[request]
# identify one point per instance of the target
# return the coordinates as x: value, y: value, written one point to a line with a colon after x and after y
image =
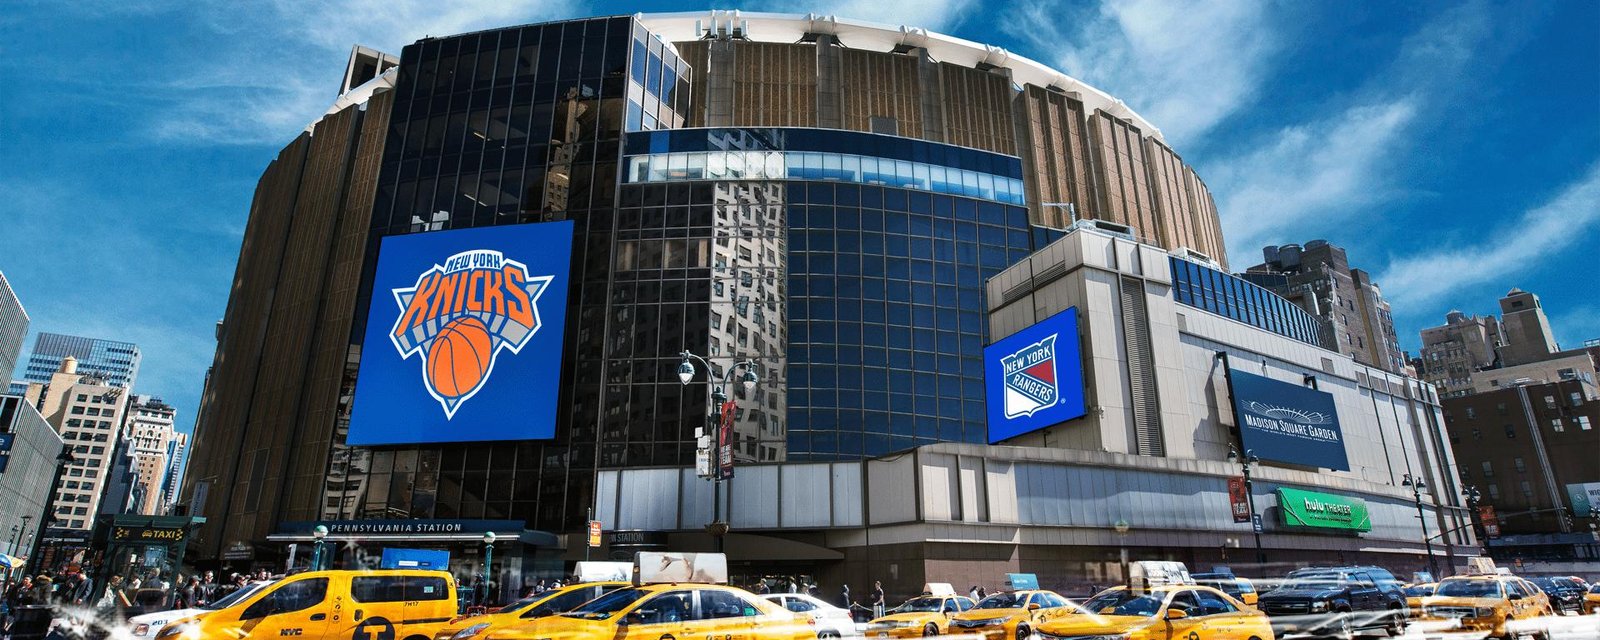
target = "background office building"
x: 26, y: 471
x: 113, y: 361
x: 825, y: 197
x: 150, y: 427
x: 87, y: 411
x: 1477, y: 354
x: 1319, y: 278
x: 13, y: 329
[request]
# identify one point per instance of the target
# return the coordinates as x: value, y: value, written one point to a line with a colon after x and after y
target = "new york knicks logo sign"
x: 1030, y: 378
x: 460, y: 315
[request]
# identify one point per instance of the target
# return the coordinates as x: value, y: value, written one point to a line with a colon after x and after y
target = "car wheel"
x: 1023, y: 632
x: 1341, y: 626
x: 1397, y: 621
x: 930, y: 631
x: 827, y: 635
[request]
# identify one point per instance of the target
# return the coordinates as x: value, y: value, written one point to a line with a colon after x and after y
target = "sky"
x: 1452, y: 148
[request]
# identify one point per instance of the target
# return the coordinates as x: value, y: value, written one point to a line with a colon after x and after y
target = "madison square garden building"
x: 463, y: 292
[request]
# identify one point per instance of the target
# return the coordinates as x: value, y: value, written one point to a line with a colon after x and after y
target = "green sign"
x: 1323, y: 510
x: 1584, y: 499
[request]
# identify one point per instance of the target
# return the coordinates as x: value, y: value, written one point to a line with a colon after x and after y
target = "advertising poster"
x: 1239, y: 499
x: 1584, y: 498
x: 464, y: 335
x: 1034, y: 378
x: 1287, y: 422
x: 725, y: 439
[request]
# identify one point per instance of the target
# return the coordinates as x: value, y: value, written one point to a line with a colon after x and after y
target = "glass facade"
x: 116, y: 362
x: 1203, y: 287
x: 503, y: 127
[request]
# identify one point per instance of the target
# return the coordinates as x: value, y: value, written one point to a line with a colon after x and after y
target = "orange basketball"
x: 459, y: 357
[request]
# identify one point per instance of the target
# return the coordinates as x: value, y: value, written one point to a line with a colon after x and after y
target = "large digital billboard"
x: 1287, y: 422
x: 463, y: 340
x: 1034, y: 378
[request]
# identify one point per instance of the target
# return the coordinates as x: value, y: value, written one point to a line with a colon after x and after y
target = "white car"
x: 832, y: 621
x: 147, y: 626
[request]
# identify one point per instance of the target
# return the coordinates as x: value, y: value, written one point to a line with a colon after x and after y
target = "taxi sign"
x: 651, y: 567
x: 938, y: 589
x: 1146, y: 575
x: 588, y: 571
x: 1481, y: 566
x: 1022, y: 581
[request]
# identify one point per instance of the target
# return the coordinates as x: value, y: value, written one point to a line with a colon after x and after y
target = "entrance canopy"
x: 412, y: 531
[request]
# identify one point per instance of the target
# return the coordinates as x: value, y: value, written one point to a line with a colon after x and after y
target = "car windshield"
x: 1548, y: 583
x: 605, y: 606
x: 229, y: 600
x: 1419, y: 591
x: 518, y: 605
x: 1003, y: 601
x: 1124, y: 603
x: 1469, y: 589
x: 922, y: 605
x: 1595, y: 588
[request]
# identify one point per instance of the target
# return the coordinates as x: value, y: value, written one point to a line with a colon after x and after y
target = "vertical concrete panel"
x: 847, y: 496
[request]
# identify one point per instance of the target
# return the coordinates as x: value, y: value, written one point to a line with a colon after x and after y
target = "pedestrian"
x: 982, y: 593
x: 41, y: 593
x: 208, y: 588
x: 877, y: 599
x: 844, y: 596
x: 81, y: 587
x: 114, y: 602
x: 973, y: 593
x: 762, y: 588
x: 190, y: 595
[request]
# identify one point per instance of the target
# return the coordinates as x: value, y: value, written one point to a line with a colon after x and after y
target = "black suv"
x: 1565, y: 594
x: 1335, y: 602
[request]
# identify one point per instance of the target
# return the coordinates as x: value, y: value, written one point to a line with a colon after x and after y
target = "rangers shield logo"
x: 460, y: 315
x: 1030, y: 378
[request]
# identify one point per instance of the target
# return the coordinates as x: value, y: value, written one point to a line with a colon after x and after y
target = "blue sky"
x: 1452, y: 148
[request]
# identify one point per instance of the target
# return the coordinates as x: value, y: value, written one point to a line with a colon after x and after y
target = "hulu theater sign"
x: 1313, y: 510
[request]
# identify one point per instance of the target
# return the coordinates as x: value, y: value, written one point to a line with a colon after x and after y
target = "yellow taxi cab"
x: 925, y: 615
x: 1486, y: 603
x: 675, y: 595
x: 382, y: 603
x: 1164, y: 612
x: 546, y: 603
x: 1416, y: 592
x: 1591, y: 599
x: 1011, y: 614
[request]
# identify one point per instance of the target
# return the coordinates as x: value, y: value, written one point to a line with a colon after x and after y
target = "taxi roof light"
x: 938, y: 589
x: 1147, y: 575
x: 592, y: 571
x: 1481, y: 566
x: 651, y: 567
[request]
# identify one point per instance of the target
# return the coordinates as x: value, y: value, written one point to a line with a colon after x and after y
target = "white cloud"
x: 1513, y: 249
x: 934, y: 15
x: 272, y: 69
x: 1184, y: 66
x: 1288, y: 186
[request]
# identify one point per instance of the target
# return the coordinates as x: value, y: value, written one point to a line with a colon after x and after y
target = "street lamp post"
x: 719, y: 395
x: 488, y: 565
x: 1417, y: 487
x: 318, y: 534
x: 1473, y: 498
x: 1121, y: 526
x: 1245, y: 461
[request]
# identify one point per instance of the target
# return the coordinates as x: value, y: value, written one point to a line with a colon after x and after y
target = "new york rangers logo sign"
x: 1030, y: 378
x: 460, y: 315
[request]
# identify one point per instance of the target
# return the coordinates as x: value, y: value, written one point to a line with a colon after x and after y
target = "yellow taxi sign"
x: 590, y: 571
x: 1481, y: 566
x: 1146, y: 575
x: 938, y: 589
x: 650, y: 567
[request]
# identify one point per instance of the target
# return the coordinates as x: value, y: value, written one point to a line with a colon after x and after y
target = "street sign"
x: 1255, y: 523
x: 594, y: 533
x: 1239, y: 499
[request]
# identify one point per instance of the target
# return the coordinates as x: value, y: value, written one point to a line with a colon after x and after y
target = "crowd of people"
x: 121, y: 596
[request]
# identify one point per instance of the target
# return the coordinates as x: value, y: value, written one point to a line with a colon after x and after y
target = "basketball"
x: 458, y: 359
